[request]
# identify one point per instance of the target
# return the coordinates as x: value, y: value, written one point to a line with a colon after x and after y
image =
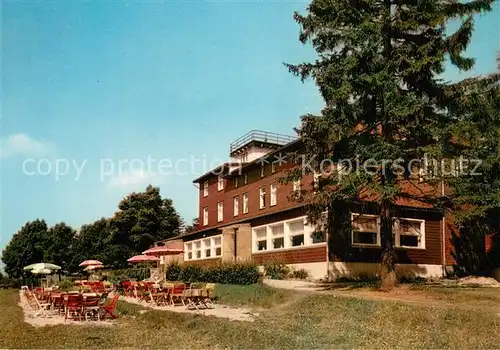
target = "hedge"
x: 224, y: 273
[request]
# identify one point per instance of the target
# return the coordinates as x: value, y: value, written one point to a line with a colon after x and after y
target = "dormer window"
x: 220, y: 183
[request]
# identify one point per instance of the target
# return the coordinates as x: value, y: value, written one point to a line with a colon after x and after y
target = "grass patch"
x: 255, y: 295
x: 313, y: 321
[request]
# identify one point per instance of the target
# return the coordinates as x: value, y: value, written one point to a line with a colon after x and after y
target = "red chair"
x: 73, y: 303
x: 109, y: 309
x: 177, y: 294
x: 127, y: 288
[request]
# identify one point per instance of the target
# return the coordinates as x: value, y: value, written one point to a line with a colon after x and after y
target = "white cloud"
x: 23, y: 145
x: 128, y: 179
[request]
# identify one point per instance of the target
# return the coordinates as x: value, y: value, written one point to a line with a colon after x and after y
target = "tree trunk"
x: 388, y: 263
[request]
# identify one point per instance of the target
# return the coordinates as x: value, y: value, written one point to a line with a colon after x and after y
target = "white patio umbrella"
x: 41, y: 266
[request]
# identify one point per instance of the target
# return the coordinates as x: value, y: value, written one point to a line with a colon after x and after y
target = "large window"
x: 220, y: 183
x: 278, y: 236
x: 261, y: 238
x: 365, y: 230
x: 235, y: 206
x: 273, y: 167
x: 274, y: 195
x: 245, y: 179
x: 236, y: 181
x: 220, y: 211
x: 262, y: 197
x: 296, y: 185
x: 218, y: 246
x: 296, y: 229
x: 245, y: 203
x: 288, y: 234
x: 205, y: 189
x: 189, y: 251
x: 205, y: 216
x: 409, y: 233
x: 197, y: 249
x: 207, y: 245
x: 204, y: 248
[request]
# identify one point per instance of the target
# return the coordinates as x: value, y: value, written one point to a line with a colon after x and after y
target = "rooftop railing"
x: 261, y: 136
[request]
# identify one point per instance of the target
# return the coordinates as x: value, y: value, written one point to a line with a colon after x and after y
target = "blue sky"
x: 99, y: 82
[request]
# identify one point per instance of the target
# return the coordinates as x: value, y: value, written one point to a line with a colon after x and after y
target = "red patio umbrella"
x: 90, y: 262
x: 162, y: 250
x: 142, y: 258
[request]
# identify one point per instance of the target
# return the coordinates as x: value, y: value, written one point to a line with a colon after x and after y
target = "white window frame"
x: 205, y: 189
x: 397, y: 238
x: 205, y: 216
x: 220, y: 211
x: 296, y: 185
x: 236, y: 204
x: 220, y: 182
x: 188, y: 248
x: 308, y: 231
x: 273, y: 237
x: 274, y: 195
x: 196, y: 250
x: 255, y: 241
x: 245, y: 178
x: 215, y: 246
x: 290, y: 236
x: 236, y: 181
x: 245, y: 203
x: 273, y: 167
x: 207, y: 245
x: 262, y: 197
x: 355, y: 215
x: 262, y: 171
x: 204, y: 243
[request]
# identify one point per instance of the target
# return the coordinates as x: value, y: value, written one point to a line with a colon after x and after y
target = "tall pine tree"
x: 378, y: 71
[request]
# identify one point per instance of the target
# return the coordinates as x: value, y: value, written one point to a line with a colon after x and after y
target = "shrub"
x: 173, y: 272
x: 300, y: 274
x: 191, y: 273
x: 225, y: 273
x: 66, y: 285
x: 118, y: 276
x: 276, y: 270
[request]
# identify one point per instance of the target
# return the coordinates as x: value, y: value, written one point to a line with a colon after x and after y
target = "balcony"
x: 261, y: 139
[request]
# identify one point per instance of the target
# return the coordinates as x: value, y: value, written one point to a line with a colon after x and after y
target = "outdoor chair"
x: 42, y: 307
x: 177, y: 294
x: 91, y: 307
x: 57, y: 301
x: 73, y: 305
x: 108, y: 309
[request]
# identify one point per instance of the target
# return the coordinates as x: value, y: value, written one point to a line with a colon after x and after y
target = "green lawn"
x: 295, y: 321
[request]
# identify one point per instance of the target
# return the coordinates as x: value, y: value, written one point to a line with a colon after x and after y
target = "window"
x: 262, y: 197
x: 365, y: 230
x: 220, y: 183
x: 278, y: 234
x: 205, y: 216
x: 273, y: 167
x: 189, y: 251
x: 274, y: 189
x: 318, y: 237
x: 205, y: 189
x: 316, y: 177
x: 296, y: 232
x: 204, y: 248
x: 261, y: 238
x: 218, y: 246
x: 235, y: 206
x: 296, y: 185
x: 207, y: 244
x: 236, y: 181
x: 245, y: 203
x: 262, y: 171
x: 409, y: 233
x: 245, y: 178
x: 220, y: 211
x: 197, y: 248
